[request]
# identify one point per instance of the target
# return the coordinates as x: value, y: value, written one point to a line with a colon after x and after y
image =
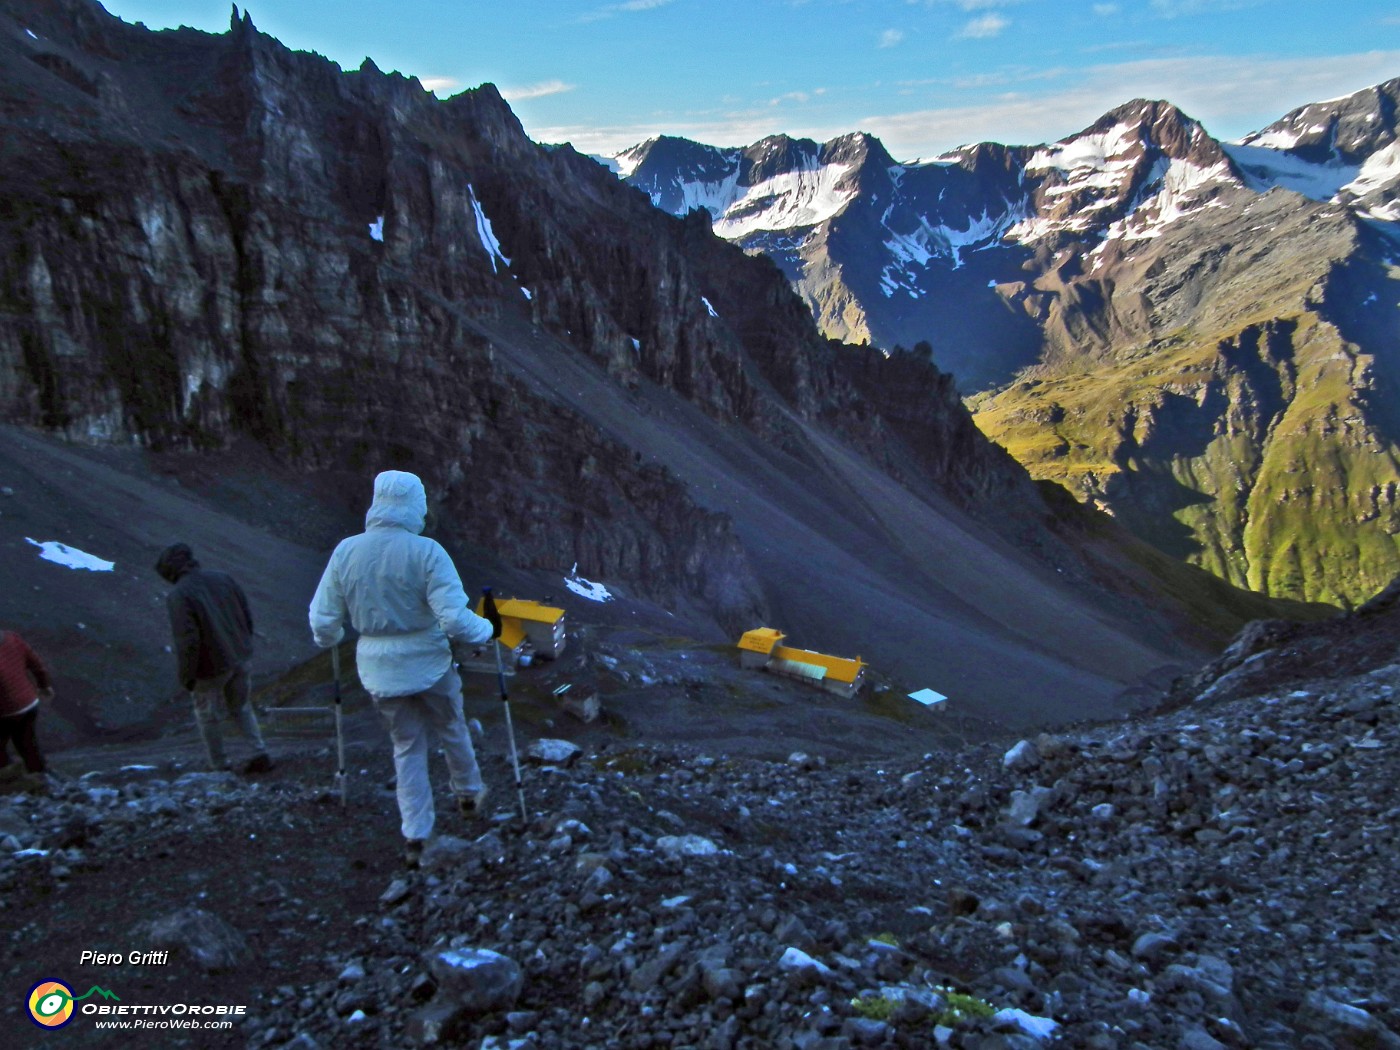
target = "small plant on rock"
x: 961, y: 1007
x: 873, y: 1007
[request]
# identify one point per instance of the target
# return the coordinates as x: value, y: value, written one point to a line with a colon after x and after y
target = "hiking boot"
x: 413, y: 853
x: 473, y: 806
x: 259, y: 764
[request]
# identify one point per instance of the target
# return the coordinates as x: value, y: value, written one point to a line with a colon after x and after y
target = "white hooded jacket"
x: 400, y: 591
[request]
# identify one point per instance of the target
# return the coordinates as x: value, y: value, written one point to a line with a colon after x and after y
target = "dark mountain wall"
x: 206, y: 236
x: 205, y: 268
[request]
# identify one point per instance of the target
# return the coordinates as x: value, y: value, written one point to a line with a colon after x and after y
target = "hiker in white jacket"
x: 401, y: 591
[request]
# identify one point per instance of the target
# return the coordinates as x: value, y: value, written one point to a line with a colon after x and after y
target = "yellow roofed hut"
x: 523, y: 620
x: 835, y: 674
x: 756, y: 647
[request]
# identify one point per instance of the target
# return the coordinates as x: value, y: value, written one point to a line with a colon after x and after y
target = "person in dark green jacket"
x: 212, y: 630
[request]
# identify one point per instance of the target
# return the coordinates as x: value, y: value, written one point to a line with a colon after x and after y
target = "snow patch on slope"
x: 1380, y: 171
x: 1282, y: 139
x: 715, y: 197
x: 1265, y: 168
x: 1388, y: 212
x: 1088, y: 162
x: 625, y: 163
x: 920, y: 246
x: 1182, y: 188
x: 805, y: 197
x: 594, y: 592
x: 1034, y: 227
x: 1173, y: 189
x: 70, y: 557
x: 487, y: 235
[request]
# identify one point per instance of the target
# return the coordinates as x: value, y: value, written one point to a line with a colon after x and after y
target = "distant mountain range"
x: 1198, y: 336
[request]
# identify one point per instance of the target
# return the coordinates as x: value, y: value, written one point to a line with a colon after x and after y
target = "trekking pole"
x: 340, y: 778
x: 489, y: 607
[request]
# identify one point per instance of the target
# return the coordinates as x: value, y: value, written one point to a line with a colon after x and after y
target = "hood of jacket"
x: 175, y: 561
x: 399, y: 501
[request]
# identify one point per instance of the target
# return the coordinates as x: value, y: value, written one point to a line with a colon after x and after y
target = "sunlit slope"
x: 1251, y: 426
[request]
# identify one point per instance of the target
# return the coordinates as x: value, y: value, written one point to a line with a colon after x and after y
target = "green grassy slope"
x: 1295, y: 499
x: 1249, y: 429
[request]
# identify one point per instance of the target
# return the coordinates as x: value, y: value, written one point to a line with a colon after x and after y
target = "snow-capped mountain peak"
x: 1141, y: 167
x: 777, y: 184
x: 875, y: 246
x: 1343, y: 150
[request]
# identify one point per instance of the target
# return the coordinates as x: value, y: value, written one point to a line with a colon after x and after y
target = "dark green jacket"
x: 210, y: 622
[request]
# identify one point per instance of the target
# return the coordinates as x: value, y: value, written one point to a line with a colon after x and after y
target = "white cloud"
x: 736, y: 128
x: 1106, y: 10
x: 891, y: 37
x: 624, y: 8
x: 436, y: 84
x: 971, y: 5
x: 799, y: 97
x: 548, y: 87
x: 984, y: 28
x: 1231, y: 96
x: 1175, y: 8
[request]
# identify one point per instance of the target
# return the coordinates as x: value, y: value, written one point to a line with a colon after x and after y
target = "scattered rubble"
x: 1218, y: 875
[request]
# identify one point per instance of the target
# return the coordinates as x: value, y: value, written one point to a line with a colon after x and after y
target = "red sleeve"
x: 35, y: 665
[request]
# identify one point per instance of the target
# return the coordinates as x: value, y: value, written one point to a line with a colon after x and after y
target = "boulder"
x: 477, y: 979
x: 552, y: 752
x: 686, y: 846
x: 1021, y: 758
x: 798, y: 962
x: 212, y: 943
x: 1345, y: 1026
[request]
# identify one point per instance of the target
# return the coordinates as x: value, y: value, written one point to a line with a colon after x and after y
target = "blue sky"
x: 923, y: 75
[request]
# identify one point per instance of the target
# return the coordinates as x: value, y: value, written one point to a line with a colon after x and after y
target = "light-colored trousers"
x: 235, y: 689
x: 413, y: 721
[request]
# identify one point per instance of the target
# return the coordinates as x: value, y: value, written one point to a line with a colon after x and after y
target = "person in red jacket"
x: 24, y: 681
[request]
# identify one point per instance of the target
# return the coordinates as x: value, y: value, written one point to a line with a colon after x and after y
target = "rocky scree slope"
x: 1110, y: 289
x: 208, y: 237
x: 1216, y: 876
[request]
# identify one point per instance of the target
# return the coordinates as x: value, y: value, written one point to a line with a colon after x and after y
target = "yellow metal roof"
x: 524, y: 609
x: 512, y: 634
x: 761, y: 639
x: 837, y: 668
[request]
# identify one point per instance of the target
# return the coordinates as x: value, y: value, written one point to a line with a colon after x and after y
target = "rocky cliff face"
x: 205, y: 236
x: 1104, y: 297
